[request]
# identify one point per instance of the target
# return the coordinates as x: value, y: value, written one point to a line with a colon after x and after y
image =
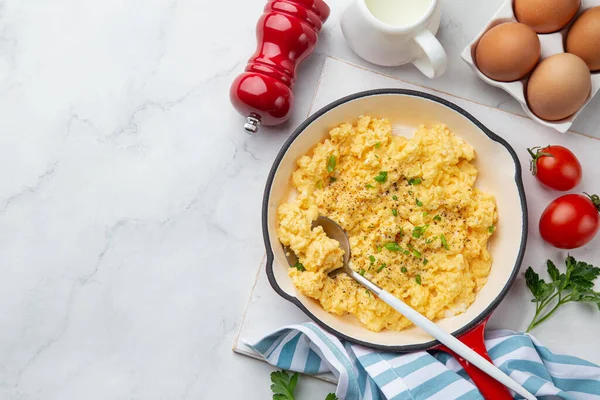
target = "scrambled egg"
x: 417, y: 226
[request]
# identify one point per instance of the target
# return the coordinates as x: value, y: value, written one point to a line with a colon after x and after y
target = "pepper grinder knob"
x: 252, y: 124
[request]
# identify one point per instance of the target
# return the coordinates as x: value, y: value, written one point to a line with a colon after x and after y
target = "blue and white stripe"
x: 363, y: 373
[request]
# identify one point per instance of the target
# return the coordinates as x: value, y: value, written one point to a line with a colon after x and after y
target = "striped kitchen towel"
x: 367, y: 374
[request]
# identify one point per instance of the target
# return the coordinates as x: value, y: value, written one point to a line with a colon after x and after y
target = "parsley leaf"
x: 283, y: 385
x: 576, y: 284
x: 414, y: 181
x: 299, y: 266
x: 392, y: 246
x: 382, y: 177
x: 331, y: 164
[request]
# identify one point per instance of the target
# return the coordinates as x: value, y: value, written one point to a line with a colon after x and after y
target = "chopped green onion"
x: 331, y: 164
x: 415, y: 252
x: 368, y: 292
x: 419, y: 203
x: 425, y: 213
x: 369, y: 186
x: 332, y: 179
x: 414, y: 181
x: 362, y: 272
x: 320, y: 185
x: 418, y: 279
x: 404, y: 270
x: 394, y: 212
x: 444, y: 242
x: 299, y: 266
x: 395, y: 198
x: 418, y: 231
x: 379, y: 249
x: 382, y: 177
x: 381, y: 268
x: 392, y: 246
x: 492, y: 228
x: 437, y: 218
x: 410, y: 192
x: 406, y: 252
x: 377, y: 145
x: 425, y: 261
x: 372, y: 258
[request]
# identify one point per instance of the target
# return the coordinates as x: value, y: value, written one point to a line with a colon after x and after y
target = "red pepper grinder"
x: 286, y: 34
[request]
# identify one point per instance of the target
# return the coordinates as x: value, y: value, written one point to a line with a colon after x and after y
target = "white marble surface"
x: 130, y: 197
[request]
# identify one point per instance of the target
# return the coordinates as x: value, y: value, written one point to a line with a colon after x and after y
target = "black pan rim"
x: 405, y: 92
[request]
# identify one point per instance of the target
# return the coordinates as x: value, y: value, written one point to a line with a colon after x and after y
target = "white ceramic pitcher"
x: 391, y: 45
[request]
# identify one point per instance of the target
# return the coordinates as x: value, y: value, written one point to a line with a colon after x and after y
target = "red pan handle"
x: 490, y: 388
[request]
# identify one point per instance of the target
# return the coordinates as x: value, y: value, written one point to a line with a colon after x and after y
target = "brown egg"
x: 559, y: 86
x: 546, y: 16
x: 583, y: 39
x: 508, y: 52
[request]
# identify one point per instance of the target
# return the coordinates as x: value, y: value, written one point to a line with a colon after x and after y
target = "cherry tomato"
x: 556, y: 167
x: 570, y: 221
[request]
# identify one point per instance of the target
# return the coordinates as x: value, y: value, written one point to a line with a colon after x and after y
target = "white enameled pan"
x: 499, y: 174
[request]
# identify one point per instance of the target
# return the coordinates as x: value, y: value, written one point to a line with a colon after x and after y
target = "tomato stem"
x: 595, y: 199
x: 535, y: 153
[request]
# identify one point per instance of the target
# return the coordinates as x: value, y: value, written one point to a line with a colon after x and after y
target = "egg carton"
x: 551, y: 43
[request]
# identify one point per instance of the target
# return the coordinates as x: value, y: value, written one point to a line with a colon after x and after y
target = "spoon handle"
x: 451, y: 342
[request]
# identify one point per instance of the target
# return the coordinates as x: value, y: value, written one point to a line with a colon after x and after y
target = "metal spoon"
x: 334, y: 231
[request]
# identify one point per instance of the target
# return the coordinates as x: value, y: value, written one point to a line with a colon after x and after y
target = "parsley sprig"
x: 283, y: 386
x: 576, y: 284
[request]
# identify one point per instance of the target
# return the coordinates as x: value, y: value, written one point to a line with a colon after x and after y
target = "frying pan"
x: 499, y: 174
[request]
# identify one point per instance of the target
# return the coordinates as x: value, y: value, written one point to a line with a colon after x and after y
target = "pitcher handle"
x: 433, y: 62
